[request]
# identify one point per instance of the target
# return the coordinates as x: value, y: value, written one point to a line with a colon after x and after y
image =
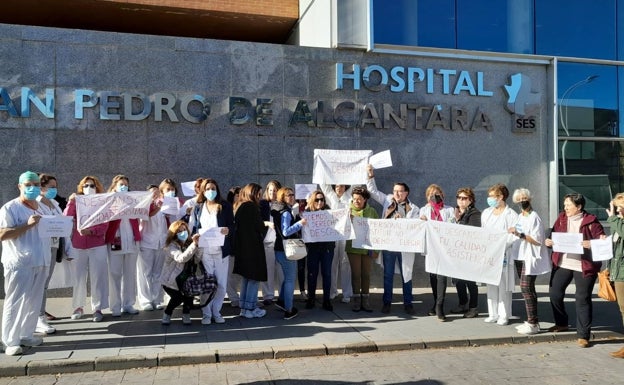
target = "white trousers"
x: 95, y: 262
x: 341, y: 269
x: 268, y: 287
x: 233, y: 282
x: 217, y: 265
x: 499, y: 298
x: 23, y: 289
x: 149, y: 267
x: 47, y: 281
x: 122, y: 272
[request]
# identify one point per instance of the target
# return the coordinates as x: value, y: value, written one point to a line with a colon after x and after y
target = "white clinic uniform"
x: 151, y: 260
x: 499, y: 297
x: 122, y: 270
x: 26, y: 261
x: 340, y: 264
x: 54, y: 244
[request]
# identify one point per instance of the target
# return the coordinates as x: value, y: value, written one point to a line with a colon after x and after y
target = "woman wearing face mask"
x: 151, y: 256
x: 89, y: 256
x: 123, y: 237
x: 578, y: 267
x: 499, y: 216
x: 436, y: 210
x: 179, y: 249
x: 529, y: 249
x: 214, y: 212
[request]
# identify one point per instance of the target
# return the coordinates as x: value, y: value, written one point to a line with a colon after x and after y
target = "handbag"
x: 295, y: 249
x: 605, y: 287
x: 195, y: 281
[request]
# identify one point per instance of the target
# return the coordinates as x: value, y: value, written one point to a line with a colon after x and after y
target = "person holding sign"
x: 90, y: 256
x: 616, y: 265
x: 25, y: 259
x: 436, y: 210
x: 568, y: 266
x: 212, y: 212
x: 395, y: 206
x: 499, y: 216
x: 534, y: 257
x: 123, y: 237
x: 361, y: 260
x: 319, y: 253
x: 286, y: 226
x: 467, y: 214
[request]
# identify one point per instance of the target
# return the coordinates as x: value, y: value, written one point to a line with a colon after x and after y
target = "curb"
x: 133, y: 361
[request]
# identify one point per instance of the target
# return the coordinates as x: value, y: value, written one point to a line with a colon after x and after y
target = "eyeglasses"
x: 319, y: 200
x: 88, y: 185
x: 461, y: 198
x: 290, y: 195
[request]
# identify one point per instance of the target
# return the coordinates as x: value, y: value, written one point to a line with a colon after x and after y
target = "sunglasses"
x: 462, y: 198
x: 88, y: 185
x: 319, y: 200
x: 290, y: 195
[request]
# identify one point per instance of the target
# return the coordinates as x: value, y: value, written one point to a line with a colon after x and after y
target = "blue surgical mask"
x: 492, y: 202
x: 210, y: 194
x: 182, y: 236
x: 170, y: 194
x: 51, y: 193
x: 122, y: 188
x: 32, y: 192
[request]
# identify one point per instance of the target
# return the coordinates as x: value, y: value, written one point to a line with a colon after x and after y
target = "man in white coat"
x: 395, y: 205
x: 26, y: 260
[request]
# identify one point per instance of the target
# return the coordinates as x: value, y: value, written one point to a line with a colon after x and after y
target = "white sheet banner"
x: 327, y: 225
x: 465, y: 252
x: 94, y: 209
x: 406, y: 235
x: 340, y: 166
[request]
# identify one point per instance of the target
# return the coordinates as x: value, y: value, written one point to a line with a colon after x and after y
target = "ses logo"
x: 522, y: 103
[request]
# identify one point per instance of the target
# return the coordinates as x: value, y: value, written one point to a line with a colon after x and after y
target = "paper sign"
x: 340, y: 166
x: 602, y: 249
x: 188, y: 188
x: 94, y: 209
x: 303, y: 191
x: 211, y: 237
x: 327, y: 225
x: 55, y: 226
x: 567, y: 242
x: 171, y: 206
x: 406, y: 235
x: 381, y: 160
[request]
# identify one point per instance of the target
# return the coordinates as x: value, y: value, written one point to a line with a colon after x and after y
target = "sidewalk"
x: 133, y: 341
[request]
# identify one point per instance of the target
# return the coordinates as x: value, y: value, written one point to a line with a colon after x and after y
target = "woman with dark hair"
x: 180, y: 248
x: 212, y: 211
x: 361, y: 260
x: 578, y: 267
x: 233, y: 280
x: 249, y: 258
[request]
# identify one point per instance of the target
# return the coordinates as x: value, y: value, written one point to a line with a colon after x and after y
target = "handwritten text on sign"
x: 407, y: 235
x: 340, y: 166
x: 327, y: 225
x: 94, y: 209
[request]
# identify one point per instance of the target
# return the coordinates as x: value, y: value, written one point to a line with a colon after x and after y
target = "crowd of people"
x: 133, y: 263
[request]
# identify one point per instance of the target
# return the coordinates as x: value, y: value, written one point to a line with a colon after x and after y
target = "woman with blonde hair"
x: 89, y: 256
x: 616, y: 265
x: 269, y: 196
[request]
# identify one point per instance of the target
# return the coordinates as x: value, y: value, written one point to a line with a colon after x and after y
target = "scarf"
x: 435, y: 210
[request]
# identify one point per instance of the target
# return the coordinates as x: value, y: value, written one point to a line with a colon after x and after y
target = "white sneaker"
x: 529, y: 329
x: 166, y: 319
x: 31, y: 341
x: 247, y: 313
x: 258, y: 313
x: 158, y: 306
x: 131, y: 310
x: 148, y: 307
x: 43, y: 326
x: 186, y: 319
x: 490, y: 319
x: 13, y: 350
x: 521, y: 325
x: 206, y: 320
x: 77, y: 314
x: 116, y: 313
x: 97, y: 316
x: 346, y: 299
x: 218, y: 319
x: 502, y: 321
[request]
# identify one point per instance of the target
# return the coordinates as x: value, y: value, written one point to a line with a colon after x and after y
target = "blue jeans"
x: 289, y: 268
x: 248, y: 294
x: 390, y: 259
x: 324, y: 257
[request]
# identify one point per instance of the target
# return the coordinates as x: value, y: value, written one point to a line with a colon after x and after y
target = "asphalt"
x: 135, y: 341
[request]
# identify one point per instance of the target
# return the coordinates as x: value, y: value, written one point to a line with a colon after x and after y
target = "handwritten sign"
x: 406, y: 235
x: 211, y: 237
x: 55, y: 226
x: 188, y: 188
x: 602, y: 249
x: 381, y: 160
x: 340, y: 166
x: 568, y: 242
x: 327, y: 225
x: 465, y: 252
x: 171, y: 206
x: 94, y: 209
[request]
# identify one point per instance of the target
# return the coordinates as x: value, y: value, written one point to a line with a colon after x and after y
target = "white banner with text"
x: 94, y: 209
x: 327, y: 225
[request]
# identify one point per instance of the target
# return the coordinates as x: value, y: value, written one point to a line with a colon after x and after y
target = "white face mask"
x: 88, y: 190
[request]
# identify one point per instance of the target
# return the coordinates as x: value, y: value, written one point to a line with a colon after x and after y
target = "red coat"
x: 113, y: 226
x: 591, y: 229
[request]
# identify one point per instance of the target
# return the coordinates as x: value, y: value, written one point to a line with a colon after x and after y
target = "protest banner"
x: 94, y: 209
x: 465, y: 252
x: 340, y: 166
x: 327, y: 225
x: 401, y: 234
x: 55, y: 226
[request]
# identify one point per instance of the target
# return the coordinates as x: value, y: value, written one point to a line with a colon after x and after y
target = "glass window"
x: 425, y: 23
x: 576, y: 28
x: 620, y: 29
x: 498, y: 26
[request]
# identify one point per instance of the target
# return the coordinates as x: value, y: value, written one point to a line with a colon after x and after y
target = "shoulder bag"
x: 295, y: 249
x: 605, y: 288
